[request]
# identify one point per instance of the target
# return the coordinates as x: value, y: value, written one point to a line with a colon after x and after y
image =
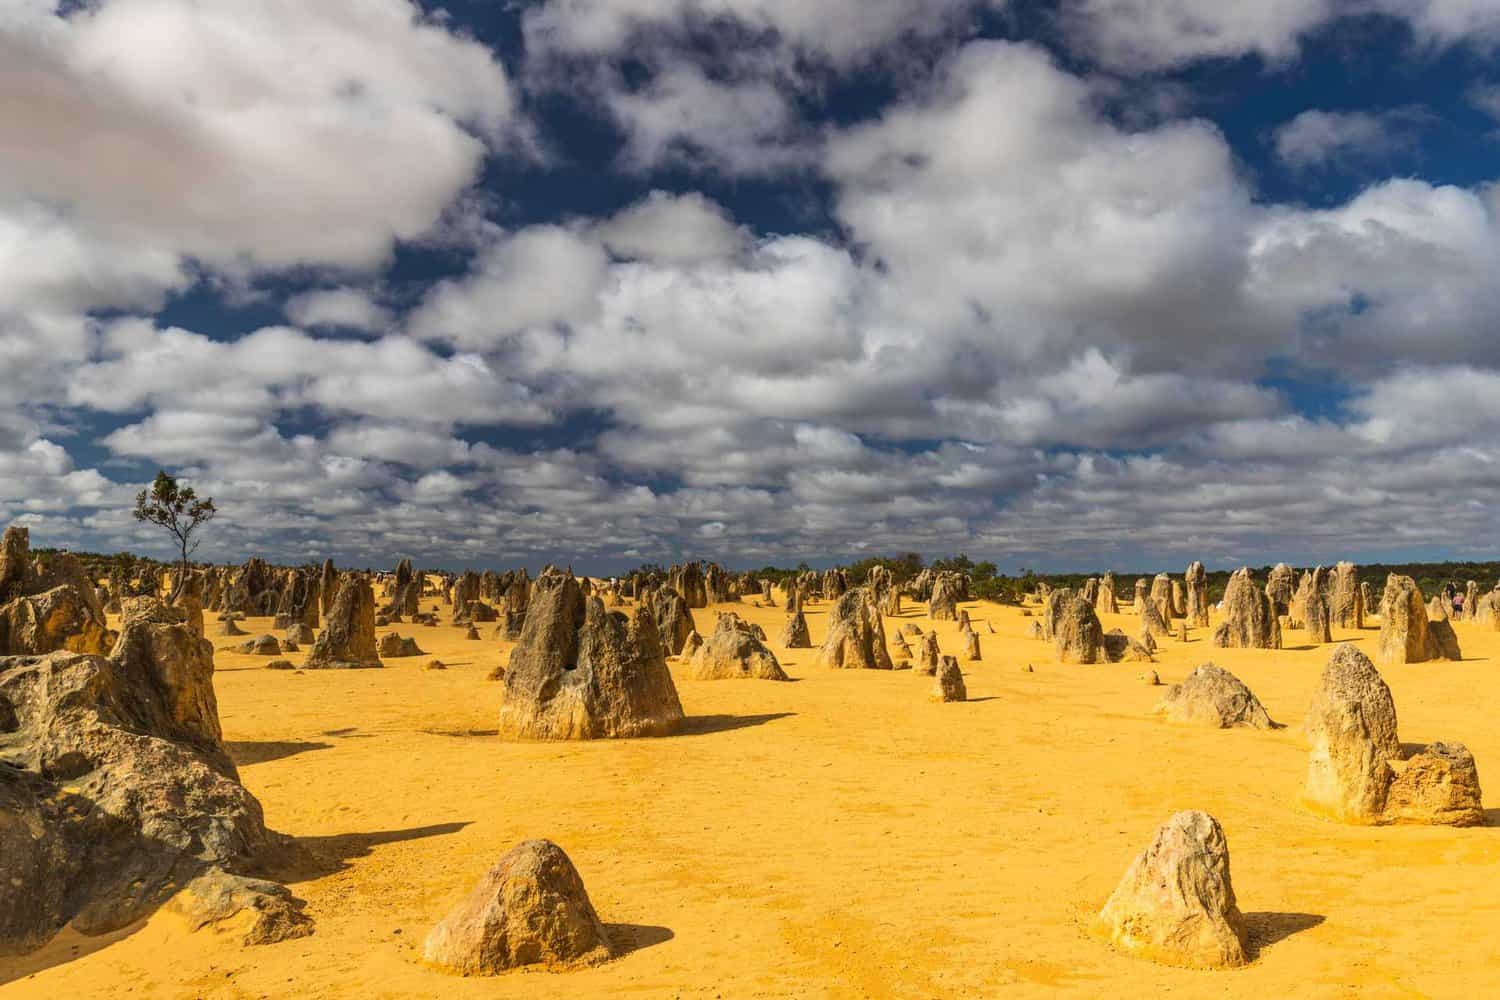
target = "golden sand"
x: 839, y: 836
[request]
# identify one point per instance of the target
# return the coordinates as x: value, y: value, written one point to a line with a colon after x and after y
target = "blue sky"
x: 1099, y: 283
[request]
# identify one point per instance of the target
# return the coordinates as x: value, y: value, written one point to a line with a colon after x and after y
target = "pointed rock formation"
x: 1105, y: 602
x: 1316, y: 612
x: 943, y: 607
x: 1176, y: 903
x: 794, y: 635
x: 1345, y: 601
x: 1405, y: 636
x: 674, y: 621
x: 347, y: 641
x: 1281, y: 588
x: 529, y: 909
x: 949, y: 682
x: 1079, y: 636
x: 580, y: 671
x: 1249, y: 622
x: 856, y: 635
x: 1196, y: 595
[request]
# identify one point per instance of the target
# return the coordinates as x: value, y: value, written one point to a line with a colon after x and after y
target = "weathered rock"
x: 328, y: 586
x: 971, y: 646
x: 1249, y: 622
x: 1438, y: 786
x: 1161, y: 596
x: 249, y: 910
x: 674, y: 619
x: 406, y: 592
x: 1195, y: 587
x: 944, y: 603
x: 1443, y: 641
x: 300, y: 633
x: 1345, y: 601
x: 733, y: 651
x: 1347, y: 777
x: 1350, y: 678
x: 261, y: 645
x: 581, y: 671
x: 1213, y: 697
x: 1405, y: 636
x: 794, y: 634
x: 856, y: 635
x: 393, y: 646
x: 691, y: 647
x: 1153, y: 623
x: 929, y: 657
x: 1176, y: 903
x: 1079, y: 636
x: 1281, y: 588
x: 529, y: 909
x: 16, y: 576
x: 281, y: 665
x: 348, y: 637
x: 1119, y: 647
x: 227, y: 626
x: 1316, y: 611
x: 949, y: 682
x: 471, y: 633
x: 117, y: 789
x: 1105, y: 602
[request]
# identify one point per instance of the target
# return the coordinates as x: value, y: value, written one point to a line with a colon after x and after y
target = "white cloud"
x: 673, y: 229
x: 843, y: 32
x: 347, y: 308
x: 1160, y: 34
x: 1317, y: 138
x: 536, y: 277
x: 271, y: 134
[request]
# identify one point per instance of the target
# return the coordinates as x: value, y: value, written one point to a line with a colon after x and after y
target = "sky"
x: 1069, y: 286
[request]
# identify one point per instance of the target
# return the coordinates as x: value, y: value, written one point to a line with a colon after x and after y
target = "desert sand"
x: 838, y: 836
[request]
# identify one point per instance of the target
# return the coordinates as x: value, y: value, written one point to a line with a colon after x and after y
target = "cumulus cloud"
x: 338, y: 308
x: 1031, y: 326
x: 1317, y: 138
x: 1154, y: 35
x: 234, y: 133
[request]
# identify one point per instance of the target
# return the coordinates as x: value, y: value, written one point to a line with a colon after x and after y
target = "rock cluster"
x: 581, y: 671
x: 1354, y: 771
x: 117, y: 790
x: 734, y: 651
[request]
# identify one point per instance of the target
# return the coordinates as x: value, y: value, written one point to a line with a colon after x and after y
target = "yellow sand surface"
x: 838, y: 836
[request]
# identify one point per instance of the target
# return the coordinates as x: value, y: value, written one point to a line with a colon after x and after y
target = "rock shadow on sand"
x: 247, y: 752
x: 1268, y: 928
x: 630, y: 938
x: 700, y: 725
x: 303, y: 859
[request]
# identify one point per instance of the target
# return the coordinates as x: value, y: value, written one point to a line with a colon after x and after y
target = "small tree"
x: 178, y: 509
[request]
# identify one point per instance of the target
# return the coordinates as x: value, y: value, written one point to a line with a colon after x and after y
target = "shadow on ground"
x: 247, y: 752
x: 67, y: 946
x: 302, y: 859
x: 630, y: 938
x: 1267, y: 928
x: 699, y: 725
